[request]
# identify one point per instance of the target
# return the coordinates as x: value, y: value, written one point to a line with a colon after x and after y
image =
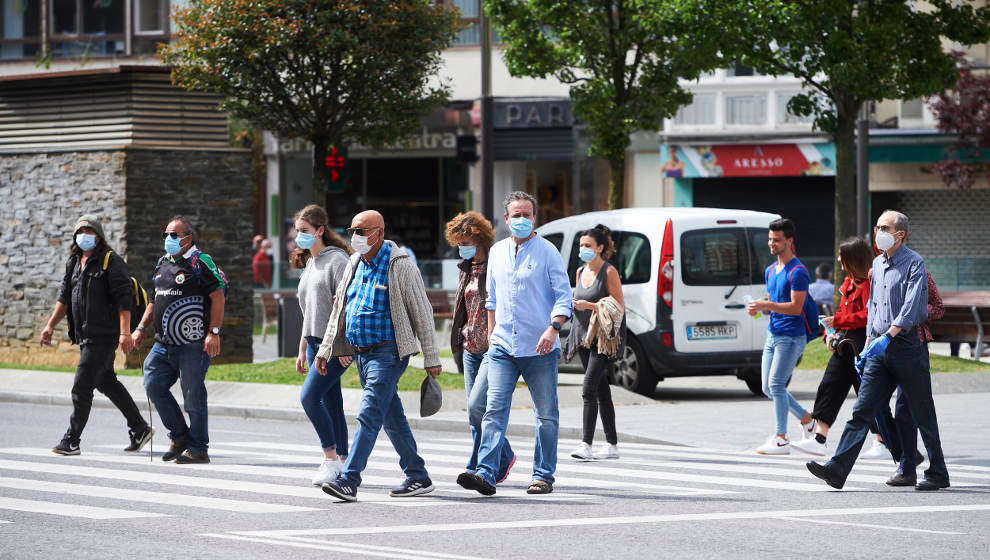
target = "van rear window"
x: 714, y: 257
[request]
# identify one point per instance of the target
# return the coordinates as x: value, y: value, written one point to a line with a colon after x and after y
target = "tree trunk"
x: 845, y: 177
x: 320, y: 146
x: 617, y: 181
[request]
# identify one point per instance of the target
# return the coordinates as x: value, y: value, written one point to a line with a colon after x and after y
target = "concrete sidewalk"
x: 698, y: 411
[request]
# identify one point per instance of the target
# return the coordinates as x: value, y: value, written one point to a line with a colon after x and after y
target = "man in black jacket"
x: 97, y: 296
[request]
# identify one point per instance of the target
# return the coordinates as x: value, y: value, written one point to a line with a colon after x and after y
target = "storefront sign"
x: 533, y: 114
x: 428, y: 143
x: 748, y: 160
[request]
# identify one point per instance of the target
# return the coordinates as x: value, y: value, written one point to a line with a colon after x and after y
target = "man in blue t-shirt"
x: 787, y: 285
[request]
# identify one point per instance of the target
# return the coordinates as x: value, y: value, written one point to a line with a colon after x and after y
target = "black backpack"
x: 140, y: 296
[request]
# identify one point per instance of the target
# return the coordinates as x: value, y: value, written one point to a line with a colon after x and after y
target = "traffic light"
x: 337, y: 168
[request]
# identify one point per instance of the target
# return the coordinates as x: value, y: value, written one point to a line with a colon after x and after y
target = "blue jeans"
x: 902, y: 364
x: 380, y: 369
x: 780, y: 356
x: 322, y: 400
x: 476, y: 388
x: 540, y: 375
x: 187, y: 363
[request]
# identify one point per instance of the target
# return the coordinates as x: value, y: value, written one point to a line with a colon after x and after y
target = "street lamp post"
x: 487, y: 118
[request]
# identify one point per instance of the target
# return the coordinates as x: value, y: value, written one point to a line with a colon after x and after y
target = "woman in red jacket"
x: 849, y: 322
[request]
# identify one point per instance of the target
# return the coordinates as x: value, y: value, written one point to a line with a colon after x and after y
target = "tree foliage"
x: 847, y: 53
x: 964, y: 112
x: 621, y: 58
x: 329, y: 71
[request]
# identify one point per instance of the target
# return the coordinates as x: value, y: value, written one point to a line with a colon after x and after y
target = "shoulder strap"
x: 106, y: 259
x: 791, y: 275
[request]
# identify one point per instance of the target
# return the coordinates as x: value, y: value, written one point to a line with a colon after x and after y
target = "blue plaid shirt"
x: 369, y: 320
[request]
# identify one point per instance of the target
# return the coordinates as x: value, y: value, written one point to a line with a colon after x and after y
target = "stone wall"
x: 134, y: 192
x: 41, y: 197
x: 213, y: 190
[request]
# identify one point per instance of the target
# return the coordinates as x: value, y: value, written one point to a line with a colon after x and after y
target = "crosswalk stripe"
x: 339, y: 547
x: 165, y: 498
x: 386, y: 459
x: 71, y: 510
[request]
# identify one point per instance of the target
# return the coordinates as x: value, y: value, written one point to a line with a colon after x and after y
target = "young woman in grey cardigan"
x: 321, y: 396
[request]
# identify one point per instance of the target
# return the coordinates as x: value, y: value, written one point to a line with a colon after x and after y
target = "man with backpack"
x: 190, y: 292
x: 793, y: 321
x: 97, y: 296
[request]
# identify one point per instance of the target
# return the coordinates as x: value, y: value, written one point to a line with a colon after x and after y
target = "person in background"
x: 787, y: 284
x: 596, y: 280
x: 97, y: 297
x: 261, y: 265
x: 473, y: 236
x: 822, y: 289
x: 848, y: 339
x: 402, y: 245
x: 256, y: 242
x: 323, y: 256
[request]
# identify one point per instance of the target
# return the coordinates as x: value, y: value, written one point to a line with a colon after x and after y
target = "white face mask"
x: 885, y: 240
x: 360, y: 243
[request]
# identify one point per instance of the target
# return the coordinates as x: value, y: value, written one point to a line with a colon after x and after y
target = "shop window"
x: 701, y: 111
x: 714, y: 257
x: 20, y: 29
x: 746, y: 109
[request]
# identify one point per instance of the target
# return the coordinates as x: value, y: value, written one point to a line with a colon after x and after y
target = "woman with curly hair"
x: 473, y: 236
x: 323, y: 256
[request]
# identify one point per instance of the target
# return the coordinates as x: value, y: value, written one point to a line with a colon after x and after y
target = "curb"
x: 298, y: 415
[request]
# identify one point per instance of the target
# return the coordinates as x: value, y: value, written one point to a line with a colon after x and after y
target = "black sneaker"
x: 832, y: 478
x: 928, y: 485
x: 341, y: 489
x: 66, y: 447
x: 193, y: 456
x: 411, y: 488
x: 472, y: 481
x: 139, y: 440
x: 178, y: 446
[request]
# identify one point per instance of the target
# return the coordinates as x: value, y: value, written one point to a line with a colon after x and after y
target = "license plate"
x: 694, y: 332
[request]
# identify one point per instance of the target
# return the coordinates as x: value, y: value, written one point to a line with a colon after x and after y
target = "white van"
x: 686, y: 273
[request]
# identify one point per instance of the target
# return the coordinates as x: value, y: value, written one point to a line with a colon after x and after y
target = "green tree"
x: 848, y: 53
x: 621, y: 58
x: 331, y: 71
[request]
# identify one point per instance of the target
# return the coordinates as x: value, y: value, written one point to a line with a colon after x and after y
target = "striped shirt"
x: 898, y: 293
x: 368, y: 318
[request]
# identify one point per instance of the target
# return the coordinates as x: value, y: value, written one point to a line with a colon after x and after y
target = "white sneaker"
x: 775, y: 445
x: 583, y: 452
x: 877, y: 451
x: 607, y: 451
x: 328, y: 471
x: 811, y: 447
x: 808, y: 429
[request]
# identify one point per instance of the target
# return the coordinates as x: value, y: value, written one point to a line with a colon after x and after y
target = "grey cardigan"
x: 412, y: 314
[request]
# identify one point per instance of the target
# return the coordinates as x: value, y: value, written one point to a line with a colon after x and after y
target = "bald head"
x: 368, y: 219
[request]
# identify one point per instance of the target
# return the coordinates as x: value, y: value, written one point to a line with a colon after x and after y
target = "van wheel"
x: 632, y: 371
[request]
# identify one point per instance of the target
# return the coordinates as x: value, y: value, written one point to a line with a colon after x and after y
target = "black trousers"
x: 95, y: 371
x: 597, y: 396
x: 840, y: 375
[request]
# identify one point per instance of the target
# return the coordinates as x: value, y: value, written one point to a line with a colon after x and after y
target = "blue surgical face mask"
x: 586, y: 254
x: 466, y: 251
x: 305, y: 240
x: 173, y: 245
x: 521, y: 227
x: 86, y: 241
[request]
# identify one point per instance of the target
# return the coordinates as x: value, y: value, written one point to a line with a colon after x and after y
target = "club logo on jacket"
x: 180, y: 278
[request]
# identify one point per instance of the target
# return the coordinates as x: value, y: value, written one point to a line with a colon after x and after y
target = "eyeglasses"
x: 360, y: 231
x: 172, y: 234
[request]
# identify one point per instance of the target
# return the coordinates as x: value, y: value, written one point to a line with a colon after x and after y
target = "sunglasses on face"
x: 359, y: 231
x: 172, y: 234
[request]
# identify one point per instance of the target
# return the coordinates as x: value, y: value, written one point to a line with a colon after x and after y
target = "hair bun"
x: 604, y: 229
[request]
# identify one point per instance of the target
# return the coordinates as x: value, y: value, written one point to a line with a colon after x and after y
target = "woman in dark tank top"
x: 596, y: 280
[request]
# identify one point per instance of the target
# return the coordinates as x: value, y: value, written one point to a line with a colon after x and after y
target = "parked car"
x: 686, y: 273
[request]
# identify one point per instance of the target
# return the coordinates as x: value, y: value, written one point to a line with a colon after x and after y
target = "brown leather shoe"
x: 178, y: 446
x: 193, y: 456
x: 900, y: 480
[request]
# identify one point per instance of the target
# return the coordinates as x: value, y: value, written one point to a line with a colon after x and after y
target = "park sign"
x: 748, y: 160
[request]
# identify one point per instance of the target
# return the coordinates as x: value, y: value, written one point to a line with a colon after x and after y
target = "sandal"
x: 540, y: 487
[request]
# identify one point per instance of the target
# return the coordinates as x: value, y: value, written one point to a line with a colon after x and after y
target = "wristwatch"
x: 556, y: 326
x: 140, y: 328
x: 215, y: 330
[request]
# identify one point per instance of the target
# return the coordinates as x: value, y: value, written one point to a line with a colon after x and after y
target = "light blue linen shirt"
x: 898, y: 293
x: 526, y: 290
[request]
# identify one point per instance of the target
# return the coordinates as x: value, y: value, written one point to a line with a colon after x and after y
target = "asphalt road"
x: 255, y: 501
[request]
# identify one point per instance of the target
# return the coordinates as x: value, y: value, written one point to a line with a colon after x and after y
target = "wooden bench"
x: 269, y: 305
x: 966, y: 319
x: 442, y: 310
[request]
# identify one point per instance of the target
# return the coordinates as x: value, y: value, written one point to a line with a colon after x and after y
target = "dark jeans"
x: 902, y: 364
x: 187, y: 363
x: 899, y: 431
x: 95, y: 371
x: 597, y: 396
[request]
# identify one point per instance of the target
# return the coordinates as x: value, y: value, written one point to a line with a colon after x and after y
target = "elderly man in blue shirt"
x: 529, y: 299
x: 894, y: 355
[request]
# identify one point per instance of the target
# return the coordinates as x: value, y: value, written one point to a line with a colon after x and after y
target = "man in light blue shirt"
x: 894, y: 355
x: 822, y: 290
x: 529, y: 299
